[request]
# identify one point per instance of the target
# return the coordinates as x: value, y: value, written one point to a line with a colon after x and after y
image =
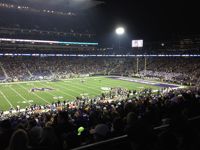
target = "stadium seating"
x: 177, y: 70
x: 95, y: 122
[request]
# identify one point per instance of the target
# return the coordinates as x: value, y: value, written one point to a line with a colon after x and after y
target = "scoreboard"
x: 137, y: 43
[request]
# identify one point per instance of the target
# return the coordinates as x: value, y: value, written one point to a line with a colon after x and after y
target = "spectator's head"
x: 129, y: 107
x: 118, y: 125
x: 101, y: 132
x: 35, y: 135
x: 49, y: 138
x: 5, y: 125
x: 62, y: 117
x: 32, y: 123
x: 131, y: 118
x: 19, y: 140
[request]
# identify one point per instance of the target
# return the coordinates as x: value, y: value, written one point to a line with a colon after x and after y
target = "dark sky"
x: 149, y: 19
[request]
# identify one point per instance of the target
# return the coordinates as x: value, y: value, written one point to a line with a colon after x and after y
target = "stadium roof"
x: 148, y: 20
x: 61, y: 5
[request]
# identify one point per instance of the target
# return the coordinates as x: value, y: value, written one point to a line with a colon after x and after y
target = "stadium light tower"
x: 119, y: 31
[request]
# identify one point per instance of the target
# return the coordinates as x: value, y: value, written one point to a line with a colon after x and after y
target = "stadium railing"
x: 122, y: 142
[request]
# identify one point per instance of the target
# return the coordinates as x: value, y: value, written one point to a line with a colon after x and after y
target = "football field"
x: 44, y: 92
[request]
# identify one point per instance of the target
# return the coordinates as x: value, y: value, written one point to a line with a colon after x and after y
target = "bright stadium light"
x: 120, y: 30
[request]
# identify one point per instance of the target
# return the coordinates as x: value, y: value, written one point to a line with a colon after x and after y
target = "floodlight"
x: 120, y: 31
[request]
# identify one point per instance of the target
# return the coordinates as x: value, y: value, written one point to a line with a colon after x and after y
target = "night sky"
x: 149, y: 19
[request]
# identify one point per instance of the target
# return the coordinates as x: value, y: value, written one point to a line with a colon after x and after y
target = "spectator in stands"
x: 118, y: 127
x: 19, y: 141
x: 49, y: 139
x: 5, y: 133
x: 105, y: 119
x: 101, y: 132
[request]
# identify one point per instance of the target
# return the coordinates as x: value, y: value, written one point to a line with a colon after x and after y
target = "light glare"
x: 120, y: 30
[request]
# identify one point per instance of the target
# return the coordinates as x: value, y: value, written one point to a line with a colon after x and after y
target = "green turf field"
x: 13, y: 94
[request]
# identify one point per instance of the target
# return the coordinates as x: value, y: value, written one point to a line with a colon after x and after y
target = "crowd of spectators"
x: 178, y: 70
x: 31, y: 68
x: 87, y: 121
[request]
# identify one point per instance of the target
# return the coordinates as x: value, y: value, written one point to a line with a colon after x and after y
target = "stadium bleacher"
x: 101, y: 121
x: 175, y: 69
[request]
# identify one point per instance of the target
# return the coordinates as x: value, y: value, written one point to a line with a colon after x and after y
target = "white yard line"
x: 92, y: 85
x: 58, y: 91
x: 35, y: 94
x: 6, y: 99
x: 81, y: 85
x: 66, y: 89
x: 19, y: 95
x: 74, y: 87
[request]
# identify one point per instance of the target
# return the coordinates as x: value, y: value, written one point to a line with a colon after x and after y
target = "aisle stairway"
x: 3, y: 70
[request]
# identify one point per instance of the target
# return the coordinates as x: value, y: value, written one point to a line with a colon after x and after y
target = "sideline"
x: 48, y: 80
